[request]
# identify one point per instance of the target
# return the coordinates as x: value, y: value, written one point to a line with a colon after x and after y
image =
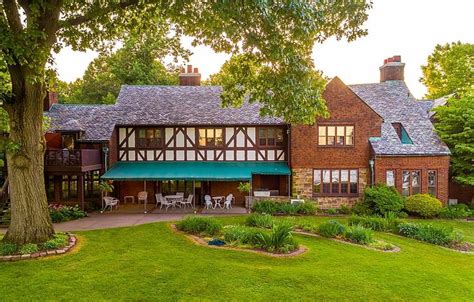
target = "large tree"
x: 279, y: 34
x: 455, y: 126
x: 449, y: 70
x: 138, y: 62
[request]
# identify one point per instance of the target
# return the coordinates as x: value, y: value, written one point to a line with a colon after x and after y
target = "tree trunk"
x: 30, y: 219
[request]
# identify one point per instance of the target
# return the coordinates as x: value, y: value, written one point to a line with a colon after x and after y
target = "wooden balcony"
x: 76, y: 160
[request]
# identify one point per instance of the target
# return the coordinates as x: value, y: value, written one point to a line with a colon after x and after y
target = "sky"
x: 410, y: 28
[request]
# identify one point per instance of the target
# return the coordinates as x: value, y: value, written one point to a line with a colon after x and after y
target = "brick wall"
x: 462, y: 193
x: 422, y: 163
x: 345, y: 107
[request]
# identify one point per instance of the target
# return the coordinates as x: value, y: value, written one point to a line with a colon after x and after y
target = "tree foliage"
x: 278, y: 35
x: 449, y: 70
x: 455, y: 126
x: 133, y: 64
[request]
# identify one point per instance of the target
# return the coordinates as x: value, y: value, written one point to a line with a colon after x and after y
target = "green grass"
x: 150, y: 262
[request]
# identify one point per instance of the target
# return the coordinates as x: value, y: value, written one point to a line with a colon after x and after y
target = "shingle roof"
x: 155, y: 105
x: 394, y: 102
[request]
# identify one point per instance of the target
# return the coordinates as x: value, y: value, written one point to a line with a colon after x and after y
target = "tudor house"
x: 165, y: 139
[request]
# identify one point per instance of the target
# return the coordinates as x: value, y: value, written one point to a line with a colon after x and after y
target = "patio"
x: 151, y: 209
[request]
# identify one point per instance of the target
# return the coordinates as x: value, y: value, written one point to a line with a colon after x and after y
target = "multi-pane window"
x: 270, y: 136
x: 92, y: 180
x: 210, y: 137
x: 69, y: 186
x: 411, y: 182
x: 432, y: 182
x: 149, y: 137
x: 335, y: 135
x: 335, y: 182
x: 390, y: 178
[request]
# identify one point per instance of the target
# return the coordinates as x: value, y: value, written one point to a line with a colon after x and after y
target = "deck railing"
x: 74, y: 157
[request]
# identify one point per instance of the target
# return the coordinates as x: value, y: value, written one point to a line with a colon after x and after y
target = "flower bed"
x: 277, y: 240
x: 61, y: 213
x: 60, y: 244
x: 356, y: 234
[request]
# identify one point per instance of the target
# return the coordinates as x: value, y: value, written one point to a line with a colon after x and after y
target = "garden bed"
x: 29, y: 251
x: 203, y: 241
x: 377, y: 245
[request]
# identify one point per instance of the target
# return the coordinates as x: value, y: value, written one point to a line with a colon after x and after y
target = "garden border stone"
x: 72, y: 241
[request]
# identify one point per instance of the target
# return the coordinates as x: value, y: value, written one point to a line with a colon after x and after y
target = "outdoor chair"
x: 142, y: 196
x: 109, y: 202
x: 208, y: 201
x: 189, y: 201
x: 228, y: 201
x: 181, y: 194
x: 159, y: 198
x: 166, y: 203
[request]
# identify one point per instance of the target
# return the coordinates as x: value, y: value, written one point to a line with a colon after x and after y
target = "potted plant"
x: 105, y: 188
x: 245, y: 188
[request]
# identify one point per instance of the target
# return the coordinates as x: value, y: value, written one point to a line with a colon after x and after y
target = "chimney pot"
x: 190, y: 78
x: 392, y: 69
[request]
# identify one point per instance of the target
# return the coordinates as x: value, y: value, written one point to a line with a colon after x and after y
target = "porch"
x: 198, y: 180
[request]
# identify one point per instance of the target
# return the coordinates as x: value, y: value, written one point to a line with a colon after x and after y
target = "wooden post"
x: 80, y: 189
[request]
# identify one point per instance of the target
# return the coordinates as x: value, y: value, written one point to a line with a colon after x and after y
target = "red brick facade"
x: 419, y: 163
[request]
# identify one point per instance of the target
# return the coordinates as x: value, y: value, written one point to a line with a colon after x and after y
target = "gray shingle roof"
x: 155, y: 105
x: 394, y: 102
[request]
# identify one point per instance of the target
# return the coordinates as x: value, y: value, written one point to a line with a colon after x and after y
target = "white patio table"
x: 217, y: 201
x: 174, y: 199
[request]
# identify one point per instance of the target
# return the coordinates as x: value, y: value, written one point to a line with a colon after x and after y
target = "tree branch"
x: 91, y: 15
x: 13, y: 16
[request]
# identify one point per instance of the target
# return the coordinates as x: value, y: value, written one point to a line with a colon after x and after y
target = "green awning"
x: 193, y: 170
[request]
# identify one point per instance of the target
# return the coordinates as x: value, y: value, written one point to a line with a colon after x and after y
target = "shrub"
x: 345, y: 210
x: 28, y: 248
x: 331, y: 211
x: 362, y: 208
x: 200, y: 225
x: 260, y: 220
x: 7, y: 248
x: 58, y: 241
x: 286, y: 208
x: 237, y: 234
x: 265, y: 207
x: 306, y: 208
x: 383, y: 199
x: 402, y: 214
x: 455, y: 212
x: 440, y: 235
x: 423, y: 205
x: 389, y: 223
x: 331, y: 229
x: 358, y: 234
x: 60, y: 213
x: 279, y: 239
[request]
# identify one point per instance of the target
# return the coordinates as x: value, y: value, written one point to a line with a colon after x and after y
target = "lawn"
x: 150, y: 262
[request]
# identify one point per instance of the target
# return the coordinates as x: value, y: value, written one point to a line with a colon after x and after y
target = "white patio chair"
x: 110, y: 202
x: 189, y: 201
x: 142, y: 196
x: 180, y: 194
x: 159, y: 198
x: 165, y: 202
x: 228, y: 201
x: 208, y: 201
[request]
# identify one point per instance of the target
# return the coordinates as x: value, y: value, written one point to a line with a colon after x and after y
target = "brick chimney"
x: 392, y: 69
x: 190, y: 76
x: 50, y: 99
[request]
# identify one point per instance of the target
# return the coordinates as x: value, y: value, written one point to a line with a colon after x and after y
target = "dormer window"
x: 402, y: 134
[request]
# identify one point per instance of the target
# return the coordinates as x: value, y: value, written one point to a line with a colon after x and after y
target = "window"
x: 411, y: 183
x: 402, y: 134
x: 432, y: 183
x: 390, y: 178
x: 210, y: 137
x: 270, y: 137
x: 91, y: 181
x: 150, y: 137
x: 69, y: 187
x: 335, y: 135
x: 335, y: 182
